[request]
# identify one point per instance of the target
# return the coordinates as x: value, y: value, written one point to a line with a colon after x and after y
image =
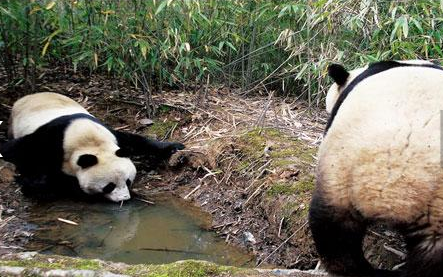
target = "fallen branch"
x: 192, y: 192
x: 172, y: 250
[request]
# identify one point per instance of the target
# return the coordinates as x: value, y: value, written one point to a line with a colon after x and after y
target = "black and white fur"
x: 58, y: 147
x: 380, y: 161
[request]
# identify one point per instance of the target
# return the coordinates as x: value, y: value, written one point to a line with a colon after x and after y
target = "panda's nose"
x: 109, y: 188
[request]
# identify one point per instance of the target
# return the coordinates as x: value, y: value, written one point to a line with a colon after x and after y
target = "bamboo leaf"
x: 50, y: 5
x: 35, y: 9
x: 161, y: 7
x: 45, y: 48
x: 8, y: 13
x: 405, y: 26
x: 95, y: 59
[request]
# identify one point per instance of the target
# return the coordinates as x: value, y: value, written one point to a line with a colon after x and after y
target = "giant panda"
x: 58, y: 146
x: 380, y: 162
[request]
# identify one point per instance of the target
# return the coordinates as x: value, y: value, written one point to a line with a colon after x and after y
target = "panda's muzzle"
x: 117, y: 194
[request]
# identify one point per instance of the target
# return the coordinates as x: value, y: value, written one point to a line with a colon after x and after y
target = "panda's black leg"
x: 137, y: 145
x: 425, y: 256
x: 338, y: 237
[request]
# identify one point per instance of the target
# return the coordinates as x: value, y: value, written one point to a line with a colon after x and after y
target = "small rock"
x: 69, y: 273
x: 238, y: 206
x: 146, y: 121
x: 27, y: 255
x: 11, y: 271
x: 249, y: 237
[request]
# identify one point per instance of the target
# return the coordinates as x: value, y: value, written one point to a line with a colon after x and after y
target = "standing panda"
x: 58, y: 147
x: 380, y: 161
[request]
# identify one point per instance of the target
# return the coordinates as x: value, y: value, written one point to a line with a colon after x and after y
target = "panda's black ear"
x: 87, y: 160
x: 338, y: 73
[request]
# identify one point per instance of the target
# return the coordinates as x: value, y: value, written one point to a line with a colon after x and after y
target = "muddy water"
x: 134, y: 233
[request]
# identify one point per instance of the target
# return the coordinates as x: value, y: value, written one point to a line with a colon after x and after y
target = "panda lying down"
x: 58, y: 147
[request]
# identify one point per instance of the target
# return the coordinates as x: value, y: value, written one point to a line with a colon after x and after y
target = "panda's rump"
x: 35, y: 110
x: 382, y: 153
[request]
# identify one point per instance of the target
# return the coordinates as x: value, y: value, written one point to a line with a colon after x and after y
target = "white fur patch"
x: 32, y: 111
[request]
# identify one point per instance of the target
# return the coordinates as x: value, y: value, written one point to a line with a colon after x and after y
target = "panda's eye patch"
x: 128, y: 182
x: 122, y: 153
x: 87, y: 160
x: 109, y: 188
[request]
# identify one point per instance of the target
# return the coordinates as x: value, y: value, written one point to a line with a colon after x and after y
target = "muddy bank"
x: 248, y: 163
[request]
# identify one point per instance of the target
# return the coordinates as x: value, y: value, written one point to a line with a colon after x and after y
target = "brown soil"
x: 248, y: 163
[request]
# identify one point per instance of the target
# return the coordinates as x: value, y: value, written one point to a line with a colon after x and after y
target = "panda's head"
x: 104, y: 171
x: 341, y: 78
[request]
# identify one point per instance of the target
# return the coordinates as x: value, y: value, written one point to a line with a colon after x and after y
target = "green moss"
x: 187, y: 269
x: 284, y: 149
x: 281, y: 188
x: 253, y: 143
x: 61, y: 263
x: 87, y: 264
x: 164, y: 109
x: 31, y: 263
x: 289, y: 209
x: 159, y: 129
x: 288, y: 188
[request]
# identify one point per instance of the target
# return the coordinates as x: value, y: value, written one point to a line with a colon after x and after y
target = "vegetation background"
x: 253, y: 45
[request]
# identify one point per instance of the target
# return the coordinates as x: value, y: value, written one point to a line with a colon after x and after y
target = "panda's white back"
x: 382, y: 152
x: 35, y: 110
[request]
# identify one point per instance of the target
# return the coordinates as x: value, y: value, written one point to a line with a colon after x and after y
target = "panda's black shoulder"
x: 42, y: 150
x: 59, y: 124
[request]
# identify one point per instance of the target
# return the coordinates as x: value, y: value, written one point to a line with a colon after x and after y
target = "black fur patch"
x: 87, y: 160
x: 338, y: 237
x: 41, y: 151
x: 373, y: 69
x: 39, y: 158
x: 122, y: 153
x: 338, y: 73
x: 109, y: 188
x: 137, y: 145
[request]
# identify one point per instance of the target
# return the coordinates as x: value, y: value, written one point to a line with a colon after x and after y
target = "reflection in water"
x: 134, y: 233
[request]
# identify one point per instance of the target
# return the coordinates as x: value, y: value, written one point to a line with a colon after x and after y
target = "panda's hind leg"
x: 338, y: 237
x: 425, y: 256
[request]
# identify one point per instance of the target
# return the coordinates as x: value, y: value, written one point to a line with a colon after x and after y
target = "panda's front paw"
x: 174, y: 147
